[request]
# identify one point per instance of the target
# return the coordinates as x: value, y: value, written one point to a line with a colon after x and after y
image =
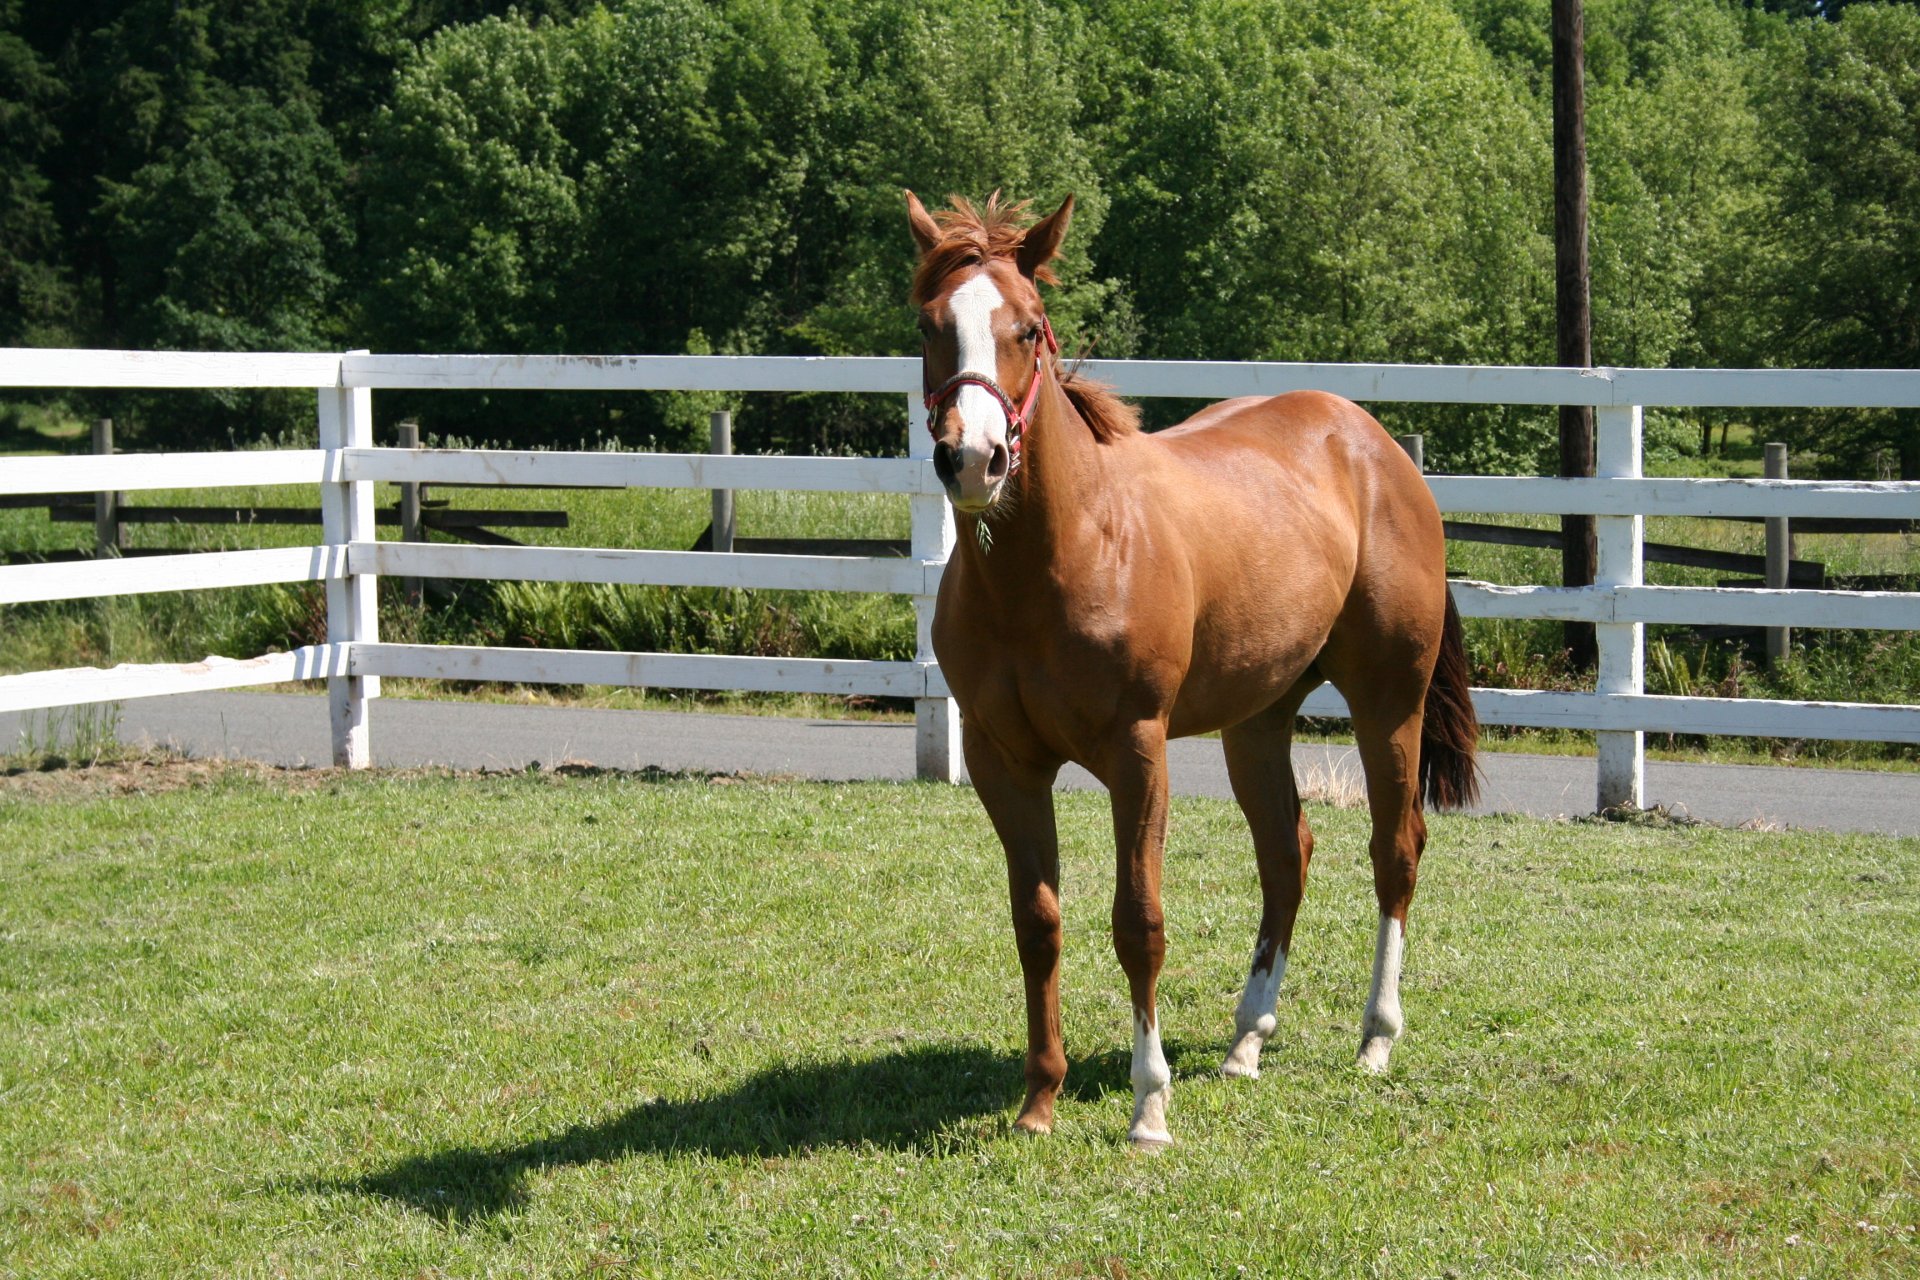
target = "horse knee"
x: 1039, y: 942
x: 1036, y: 926
x: 1139, y: 938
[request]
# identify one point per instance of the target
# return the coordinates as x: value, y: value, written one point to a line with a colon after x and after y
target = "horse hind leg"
x: 1390, y: 752
x: 1260, y: 766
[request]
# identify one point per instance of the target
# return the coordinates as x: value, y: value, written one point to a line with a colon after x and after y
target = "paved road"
x: 291, y: 729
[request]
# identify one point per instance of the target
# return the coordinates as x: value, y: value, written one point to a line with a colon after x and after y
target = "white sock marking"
x: 1383, y: 1022
x: 1253, y: 1020
x: 1152, y: 1083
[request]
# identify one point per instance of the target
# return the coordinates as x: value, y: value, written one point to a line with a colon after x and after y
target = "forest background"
x: 1343, y: 180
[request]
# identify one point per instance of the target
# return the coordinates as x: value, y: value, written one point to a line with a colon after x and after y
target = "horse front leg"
x: 1137, y: 779
x: 1019, y: 801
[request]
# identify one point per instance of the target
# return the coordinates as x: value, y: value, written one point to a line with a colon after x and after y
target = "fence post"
x: 1779, y: 552
x: 109, y: 535
x: 1622, y: 645
x: 1416, y: 447
x: 412, y: 528
x: 720, y: 429
x: 936, y: 721
x: 346, y: 517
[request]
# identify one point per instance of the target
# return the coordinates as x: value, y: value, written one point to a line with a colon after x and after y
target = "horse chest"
x: 1052, y: 672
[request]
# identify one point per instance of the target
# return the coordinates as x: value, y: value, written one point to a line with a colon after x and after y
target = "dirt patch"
x: 159, y: 773
x: 151, y: 775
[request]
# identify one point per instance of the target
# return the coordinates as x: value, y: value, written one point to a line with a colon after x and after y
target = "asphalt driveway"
x: 291, y: 729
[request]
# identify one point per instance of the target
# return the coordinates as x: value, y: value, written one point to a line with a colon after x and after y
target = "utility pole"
x: 1571, y: 296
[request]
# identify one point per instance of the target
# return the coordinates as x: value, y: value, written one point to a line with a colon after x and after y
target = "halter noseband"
x: 1017, y: 415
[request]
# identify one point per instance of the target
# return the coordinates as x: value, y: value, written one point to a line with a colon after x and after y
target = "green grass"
x: 314, y: 1025
x: 61, y: 737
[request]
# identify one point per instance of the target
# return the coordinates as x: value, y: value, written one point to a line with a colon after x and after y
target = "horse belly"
x: 1234, y: 676
x: 1266, y: 594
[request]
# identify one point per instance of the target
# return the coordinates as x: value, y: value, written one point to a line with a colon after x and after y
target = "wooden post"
x: 936, y: 720
x: 412, y: 528
x: 109, y: 535
x: 1779, y: 554
x: 1572, y: 295
x: 1416, y: 447
x: 1622, y: 649
x: 720, y: 428
x: 346, y: 517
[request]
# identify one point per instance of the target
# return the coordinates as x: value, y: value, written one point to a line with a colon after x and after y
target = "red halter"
x: 1017, y: 416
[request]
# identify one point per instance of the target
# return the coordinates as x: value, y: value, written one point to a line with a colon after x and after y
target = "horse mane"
x: 970, y: 237
x: 1105, y: 413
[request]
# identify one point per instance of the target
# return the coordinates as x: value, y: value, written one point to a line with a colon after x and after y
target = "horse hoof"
x: 1150, y: 1141
x: 1374, y: 1053
x: 1028, y: 1127
x: 1243, y: 1060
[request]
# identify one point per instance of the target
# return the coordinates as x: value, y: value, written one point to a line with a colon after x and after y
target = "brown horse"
x: 1113, y: 589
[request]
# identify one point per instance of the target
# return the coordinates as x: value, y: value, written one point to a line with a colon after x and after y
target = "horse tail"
x: 1449, y: 778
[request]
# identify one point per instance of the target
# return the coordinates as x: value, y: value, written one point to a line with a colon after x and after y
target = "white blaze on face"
x: 985, y: 421
x: 1383, y: 1021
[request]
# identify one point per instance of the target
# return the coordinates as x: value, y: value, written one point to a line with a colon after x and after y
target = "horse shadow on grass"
x: 909, y: 1100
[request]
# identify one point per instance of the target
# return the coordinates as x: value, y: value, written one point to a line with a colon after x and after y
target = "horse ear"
x: 1043, y: 239
x: 926, y: 232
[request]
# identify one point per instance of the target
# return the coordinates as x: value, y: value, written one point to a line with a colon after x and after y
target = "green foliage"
x: 1258, y: 179
x: 35, y: 295
x: 683, y: 177
x: 1845, y: 272
x: 229, y: 244
x: 774, y: 624
x: 1678, y: 157
x: 1341, y: 182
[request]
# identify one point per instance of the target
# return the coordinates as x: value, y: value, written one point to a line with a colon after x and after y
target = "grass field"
x: 312, y: 1024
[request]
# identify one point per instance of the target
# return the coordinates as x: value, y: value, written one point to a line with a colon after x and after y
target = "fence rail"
x: 350, y: 561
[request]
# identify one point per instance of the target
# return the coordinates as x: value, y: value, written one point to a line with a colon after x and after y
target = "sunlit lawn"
x: 310, y: 1024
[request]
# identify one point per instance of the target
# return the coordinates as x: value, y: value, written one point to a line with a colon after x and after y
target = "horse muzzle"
x: 974, y: 477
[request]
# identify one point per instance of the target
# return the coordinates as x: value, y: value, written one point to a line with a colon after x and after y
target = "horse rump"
x: 1449, y: 778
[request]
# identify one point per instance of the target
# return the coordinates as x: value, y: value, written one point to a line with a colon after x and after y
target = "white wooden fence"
x: 349, y: 561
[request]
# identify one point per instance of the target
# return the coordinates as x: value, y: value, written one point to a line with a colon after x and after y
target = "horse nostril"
x: 997, y: 462
x: 943, y: 463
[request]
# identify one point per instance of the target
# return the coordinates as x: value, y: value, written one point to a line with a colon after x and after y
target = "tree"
x: 1845, y: 228
x: 35, y: 296
x: 621, y: 183
x: 681, y: 176
x: 1347, y: 182
x: 228, y: 243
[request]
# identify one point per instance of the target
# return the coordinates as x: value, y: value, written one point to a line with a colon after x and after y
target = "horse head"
x: 986, y: 338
